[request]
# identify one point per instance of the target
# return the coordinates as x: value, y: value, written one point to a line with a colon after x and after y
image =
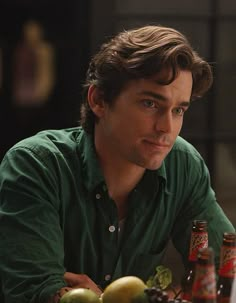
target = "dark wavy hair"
x: 142, y: 53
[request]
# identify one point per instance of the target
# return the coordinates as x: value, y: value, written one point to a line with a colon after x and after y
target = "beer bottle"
x: 204, y: 285
x: 199, y: 239
x: 227, y: 270
x: 233, y: 292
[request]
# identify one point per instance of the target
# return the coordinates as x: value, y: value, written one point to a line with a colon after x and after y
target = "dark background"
x: 75, y: 29
x: 65, y: 27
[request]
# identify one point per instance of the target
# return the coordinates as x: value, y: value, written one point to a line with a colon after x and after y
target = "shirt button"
x: 98, y: 196
x: 112, y: 228
x: 107, y: 277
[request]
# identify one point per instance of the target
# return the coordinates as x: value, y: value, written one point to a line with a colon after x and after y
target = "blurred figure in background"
x: 33, y: 74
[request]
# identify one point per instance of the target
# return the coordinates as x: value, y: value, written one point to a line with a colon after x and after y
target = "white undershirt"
x: 121, y: 228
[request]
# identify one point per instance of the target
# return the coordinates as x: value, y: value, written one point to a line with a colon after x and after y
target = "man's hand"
x: 75, y: 281
x: 81, y: 280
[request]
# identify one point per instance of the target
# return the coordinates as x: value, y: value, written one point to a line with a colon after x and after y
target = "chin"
x: 148, y: 161
x: 155, y: 162
x: 154, y: 167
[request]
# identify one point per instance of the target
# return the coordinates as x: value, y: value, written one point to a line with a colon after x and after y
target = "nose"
x: 164, y: 122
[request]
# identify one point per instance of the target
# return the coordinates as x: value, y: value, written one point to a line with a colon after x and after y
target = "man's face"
x: 141, y: 126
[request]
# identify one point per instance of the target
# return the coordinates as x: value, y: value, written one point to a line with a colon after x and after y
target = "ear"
x: 96, y: 101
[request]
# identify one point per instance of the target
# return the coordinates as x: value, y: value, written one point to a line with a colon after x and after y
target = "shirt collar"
x: 92, y: 173
x: 154, y: 177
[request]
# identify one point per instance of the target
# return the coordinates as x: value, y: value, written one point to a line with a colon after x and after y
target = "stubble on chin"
x: 148, y: 163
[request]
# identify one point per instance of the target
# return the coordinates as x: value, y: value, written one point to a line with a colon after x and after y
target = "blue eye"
x: 179, y: 111
x: 149, y: 103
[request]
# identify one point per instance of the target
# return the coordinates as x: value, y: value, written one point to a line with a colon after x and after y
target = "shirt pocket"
x: 145, y: 264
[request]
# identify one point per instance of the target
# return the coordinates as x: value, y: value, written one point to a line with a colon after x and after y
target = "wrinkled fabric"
x: 56, y: 215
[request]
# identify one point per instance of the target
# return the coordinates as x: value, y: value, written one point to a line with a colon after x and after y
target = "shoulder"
x: 182, y: 147
x: 49, y: 146
x: 51, y: 141
x: 185, y: 159
x: 183, y: 150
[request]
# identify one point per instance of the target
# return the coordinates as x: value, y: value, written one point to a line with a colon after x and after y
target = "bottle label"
x: 187, y: 296
x: 228, y: 262
x: 204, y: 286
x: 198, y: 240
x: 224, y: 300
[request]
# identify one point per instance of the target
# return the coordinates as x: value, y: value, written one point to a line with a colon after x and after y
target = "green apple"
x: 125, y: 290
x: 80, y: 295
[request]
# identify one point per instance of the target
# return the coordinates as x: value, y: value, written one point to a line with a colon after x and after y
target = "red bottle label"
x: 228, y: 262
x: 198, y: 240
x: 204, y: 286
x: 187, y: 296
x: 224, y: 300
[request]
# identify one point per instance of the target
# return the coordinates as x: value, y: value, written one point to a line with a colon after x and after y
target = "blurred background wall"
x: 45, y: 47
x: 44, y: 52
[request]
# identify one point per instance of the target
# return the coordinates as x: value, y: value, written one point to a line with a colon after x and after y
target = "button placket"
x: 108, y: 220
x: 111, y: 228
x: 98, y: 196
x: 107, y: 277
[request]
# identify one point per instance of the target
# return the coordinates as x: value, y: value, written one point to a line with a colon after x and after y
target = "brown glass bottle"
x: 204, y: 284
x: 227, y: 270
x: 199, y: 239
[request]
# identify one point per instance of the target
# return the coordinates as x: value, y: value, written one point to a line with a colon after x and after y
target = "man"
x: 81, y: 207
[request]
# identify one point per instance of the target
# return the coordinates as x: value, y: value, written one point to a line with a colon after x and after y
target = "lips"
x: 158, y: 144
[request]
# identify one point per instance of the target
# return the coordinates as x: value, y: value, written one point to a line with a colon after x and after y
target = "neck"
x: 121, y: 176
x: 120, y: 180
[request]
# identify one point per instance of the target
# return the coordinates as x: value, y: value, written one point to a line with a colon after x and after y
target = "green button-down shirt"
x: 56, y: 215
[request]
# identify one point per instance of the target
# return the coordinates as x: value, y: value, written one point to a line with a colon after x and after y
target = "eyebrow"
x: 162, y: 98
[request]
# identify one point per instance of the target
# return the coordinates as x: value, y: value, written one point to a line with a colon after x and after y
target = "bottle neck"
x: 199, y: 239
x: 204, y: 286
x: 227, y: 262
